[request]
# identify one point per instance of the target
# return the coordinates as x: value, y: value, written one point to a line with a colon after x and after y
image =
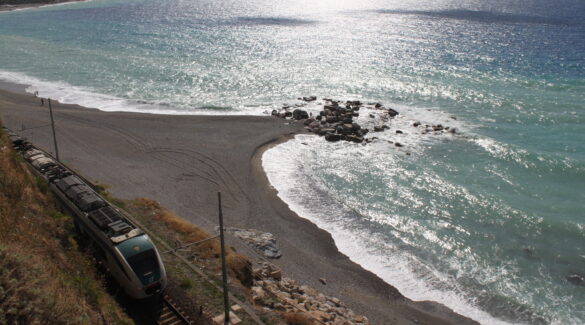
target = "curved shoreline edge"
x: 426, y: 306
x: 15, y: 7
x: 308, y: 251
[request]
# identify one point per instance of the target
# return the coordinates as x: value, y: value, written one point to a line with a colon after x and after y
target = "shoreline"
x: 309, y: 254
x: 15, y: 7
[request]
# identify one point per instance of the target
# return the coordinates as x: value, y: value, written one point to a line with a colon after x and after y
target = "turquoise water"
x: 489, y: 222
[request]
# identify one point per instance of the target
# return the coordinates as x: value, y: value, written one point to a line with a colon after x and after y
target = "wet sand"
x: 183, y: 161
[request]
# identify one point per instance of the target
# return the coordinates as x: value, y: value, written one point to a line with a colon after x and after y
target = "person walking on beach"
x: 42, y: 102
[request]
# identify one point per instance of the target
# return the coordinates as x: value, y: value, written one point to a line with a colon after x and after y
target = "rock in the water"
x: 325, y: 131
x: 308, y: 121
x: 354, y: 138
x: 299, y: 114
x: 314, y: 124
x: 310, y: 98
x: 399, y: 132
x: 398, y: 144
x: 331, y: 119
x: 332, y: 137
x: 347, y: 127
x: 392, y: 112
x: 576, y: 279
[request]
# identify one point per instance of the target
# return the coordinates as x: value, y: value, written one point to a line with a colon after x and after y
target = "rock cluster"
x: 262, y: 241
x: 436, y: 129
x: 336, y: 121
x: 274, y: 292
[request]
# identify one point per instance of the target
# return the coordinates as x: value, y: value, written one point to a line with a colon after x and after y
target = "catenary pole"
x: 53, y: 127
x: 226, y: 307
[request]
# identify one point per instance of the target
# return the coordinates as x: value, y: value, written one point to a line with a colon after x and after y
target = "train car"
x: 126, y: 251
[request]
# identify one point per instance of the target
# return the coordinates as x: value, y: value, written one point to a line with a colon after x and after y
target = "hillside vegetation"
x: 44, y: 277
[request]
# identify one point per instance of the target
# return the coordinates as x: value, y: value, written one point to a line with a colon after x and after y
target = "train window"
x: 145, y: 265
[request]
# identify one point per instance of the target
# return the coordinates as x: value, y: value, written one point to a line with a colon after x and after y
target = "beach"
x: 20, y: 6
x: 183, y: 161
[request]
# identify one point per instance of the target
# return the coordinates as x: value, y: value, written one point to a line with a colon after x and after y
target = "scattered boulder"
x: 299, y: 114
x: 308, y: 121
x: 355, y: 138
x: 262, y: 241
x: 285, y: 296
x: 325, y: 131
x: 310, y: 98
x: 332, y: 137
x: 392, y: 112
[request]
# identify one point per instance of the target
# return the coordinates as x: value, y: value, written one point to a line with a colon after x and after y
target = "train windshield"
x: 145, y: 265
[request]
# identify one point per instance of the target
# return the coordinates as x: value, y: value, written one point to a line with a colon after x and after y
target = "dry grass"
x: 239, y: 266
x: 44, y: 278
x: 297, y: 319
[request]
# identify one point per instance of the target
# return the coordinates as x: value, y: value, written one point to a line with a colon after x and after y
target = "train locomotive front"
x: 128, y: 253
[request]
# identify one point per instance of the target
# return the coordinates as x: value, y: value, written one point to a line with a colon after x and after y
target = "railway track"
x: 171, y: 314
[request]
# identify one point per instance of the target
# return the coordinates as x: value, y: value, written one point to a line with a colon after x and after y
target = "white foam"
x: 69, y: 94
x: 48, y: 5
x: 285, y: 166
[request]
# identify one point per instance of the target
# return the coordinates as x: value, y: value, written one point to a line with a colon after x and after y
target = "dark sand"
x: 183, y: 161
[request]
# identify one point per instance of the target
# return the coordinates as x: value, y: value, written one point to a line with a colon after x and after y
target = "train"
x: 128, y: 253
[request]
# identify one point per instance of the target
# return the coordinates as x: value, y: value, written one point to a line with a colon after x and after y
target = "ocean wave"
x: 388, y: 257
x: 69, y: 94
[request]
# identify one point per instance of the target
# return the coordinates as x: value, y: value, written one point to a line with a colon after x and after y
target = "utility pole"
x: 53, y: 127
x: 226, y: 306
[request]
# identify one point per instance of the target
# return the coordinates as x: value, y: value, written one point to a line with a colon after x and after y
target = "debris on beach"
x: 264, y: 242
x: 336, y: 121
x: 275, y: 292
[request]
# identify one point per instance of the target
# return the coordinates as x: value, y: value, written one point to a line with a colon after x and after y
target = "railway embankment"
x: 44, y: 277
x: 260, y: 292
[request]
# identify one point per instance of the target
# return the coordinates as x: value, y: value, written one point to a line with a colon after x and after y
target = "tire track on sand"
x: 214, y: 172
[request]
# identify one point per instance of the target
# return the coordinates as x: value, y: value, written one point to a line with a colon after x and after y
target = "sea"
x: 489, y: 221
